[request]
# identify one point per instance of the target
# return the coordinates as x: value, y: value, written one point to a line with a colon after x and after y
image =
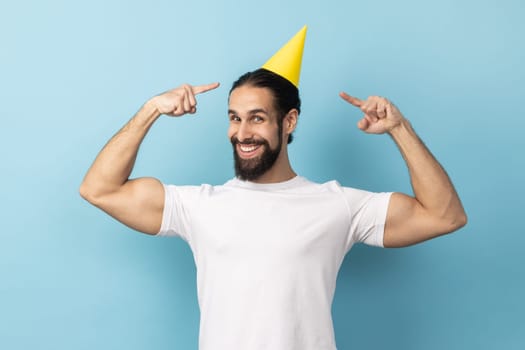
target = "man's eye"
x: 234, y: 118
x: 257, y: 119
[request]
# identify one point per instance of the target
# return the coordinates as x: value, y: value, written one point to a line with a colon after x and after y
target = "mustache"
x: 251, y: 141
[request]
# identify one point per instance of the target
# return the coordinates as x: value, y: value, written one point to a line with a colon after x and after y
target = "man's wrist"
x: 151, y: 107
x: 146, y: 116
x: 403, y: 126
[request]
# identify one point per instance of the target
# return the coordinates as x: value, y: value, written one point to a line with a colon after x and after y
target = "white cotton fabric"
x: 267, y: 257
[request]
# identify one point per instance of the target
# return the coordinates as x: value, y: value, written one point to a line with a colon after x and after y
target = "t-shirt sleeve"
x: 368, y: 215
x: 175, y: 217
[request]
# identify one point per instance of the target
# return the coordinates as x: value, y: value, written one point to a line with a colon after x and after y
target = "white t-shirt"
x: 267, y: 257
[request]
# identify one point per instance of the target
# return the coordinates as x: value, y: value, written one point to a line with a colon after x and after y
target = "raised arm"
x: 435, y: 208
x: 137, y: 203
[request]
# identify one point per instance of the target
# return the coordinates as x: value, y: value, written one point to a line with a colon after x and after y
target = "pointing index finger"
x: 199, y: 89
x: 350, y: 99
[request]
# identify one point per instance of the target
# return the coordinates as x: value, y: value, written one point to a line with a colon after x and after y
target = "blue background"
x: 72, y: 73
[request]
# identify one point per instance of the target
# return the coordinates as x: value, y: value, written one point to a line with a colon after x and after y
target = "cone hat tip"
x: 287, y: 61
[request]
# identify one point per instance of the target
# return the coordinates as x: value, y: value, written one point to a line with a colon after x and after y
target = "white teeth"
x: 247, y: 148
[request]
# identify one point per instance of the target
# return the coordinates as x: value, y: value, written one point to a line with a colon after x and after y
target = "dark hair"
x: 286, y: 94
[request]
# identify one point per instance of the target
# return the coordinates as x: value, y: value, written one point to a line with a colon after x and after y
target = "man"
x: 268, y: 244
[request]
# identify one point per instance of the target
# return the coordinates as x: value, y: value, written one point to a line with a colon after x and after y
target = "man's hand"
x: 381, y: 115
x: 181, y: 100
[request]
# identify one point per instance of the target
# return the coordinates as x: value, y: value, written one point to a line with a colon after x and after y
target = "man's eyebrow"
x: 257, y: 110
x: 252, y: 111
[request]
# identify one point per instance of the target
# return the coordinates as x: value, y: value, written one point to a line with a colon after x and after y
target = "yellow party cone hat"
x: 287, y: 61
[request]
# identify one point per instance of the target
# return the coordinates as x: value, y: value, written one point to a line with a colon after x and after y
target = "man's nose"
x: 244, y: 132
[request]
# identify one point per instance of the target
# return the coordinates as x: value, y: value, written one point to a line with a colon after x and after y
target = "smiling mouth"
x: 247, y: 150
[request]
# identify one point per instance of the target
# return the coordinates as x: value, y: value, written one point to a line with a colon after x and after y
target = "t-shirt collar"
x: 294, y: 182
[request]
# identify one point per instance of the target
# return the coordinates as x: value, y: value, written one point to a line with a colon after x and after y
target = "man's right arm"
x: 137, y: 203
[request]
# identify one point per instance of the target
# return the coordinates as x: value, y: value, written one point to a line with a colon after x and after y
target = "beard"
x: 253, y: 168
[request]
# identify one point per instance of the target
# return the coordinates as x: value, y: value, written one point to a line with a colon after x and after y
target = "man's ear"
x: 290, y: 121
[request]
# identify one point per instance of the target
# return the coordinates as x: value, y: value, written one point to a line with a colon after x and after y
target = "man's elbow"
x: 88, y: 193
x: 458, y: 221
x: 449, y: 222
x: 85, y: 193
x: 462, y: 220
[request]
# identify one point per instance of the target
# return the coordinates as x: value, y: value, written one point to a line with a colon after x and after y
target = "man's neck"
x: 275, y: 177
x: 281, y: 171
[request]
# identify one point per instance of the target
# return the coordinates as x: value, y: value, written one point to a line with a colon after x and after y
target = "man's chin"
x: 247, y: 166
x: 248, y: 169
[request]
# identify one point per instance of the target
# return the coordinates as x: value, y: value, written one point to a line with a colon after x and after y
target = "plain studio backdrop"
x: 72, y: 73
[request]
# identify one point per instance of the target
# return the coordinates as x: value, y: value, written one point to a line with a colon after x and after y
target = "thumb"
x: 363, y: 124
x: 199, y: 89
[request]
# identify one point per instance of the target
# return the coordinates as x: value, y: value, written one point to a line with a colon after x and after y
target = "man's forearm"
x: 113, y: 165
x: 431, y: 184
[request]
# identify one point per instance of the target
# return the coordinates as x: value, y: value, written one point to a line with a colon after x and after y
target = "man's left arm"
x: 435, y: 208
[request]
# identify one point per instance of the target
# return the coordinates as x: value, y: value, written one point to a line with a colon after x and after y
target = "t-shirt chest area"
x: 254, y: 224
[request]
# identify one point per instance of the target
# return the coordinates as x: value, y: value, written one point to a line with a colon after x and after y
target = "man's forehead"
x: 249, y: 98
